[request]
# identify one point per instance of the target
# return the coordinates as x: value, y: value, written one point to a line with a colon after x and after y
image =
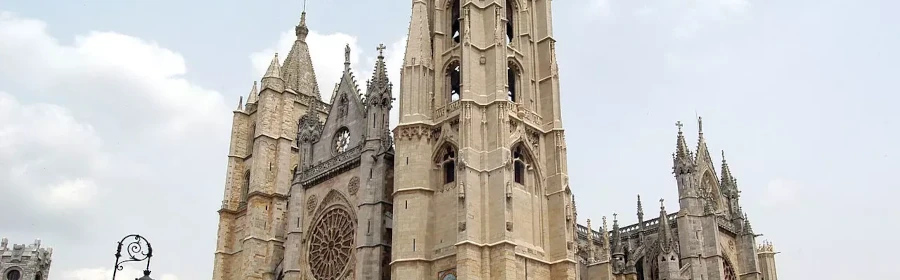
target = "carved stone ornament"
x: 331, y: 243
x: 311, y: 203
x: 353, y: 185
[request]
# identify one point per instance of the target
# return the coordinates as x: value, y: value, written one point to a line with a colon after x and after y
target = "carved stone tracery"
x: 331, y: 244
x: 353, y: 185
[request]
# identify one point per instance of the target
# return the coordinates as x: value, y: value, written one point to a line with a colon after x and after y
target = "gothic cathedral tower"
x: 481, y: 184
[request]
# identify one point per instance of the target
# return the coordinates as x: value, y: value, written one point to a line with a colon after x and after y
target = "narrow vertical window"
x: 512, y: 75
x: 245, y: 188
x: 448, y: 162
x: 511, y: 10
x: 454, y: 80
x: 454, y: 21
x: 519, y: 165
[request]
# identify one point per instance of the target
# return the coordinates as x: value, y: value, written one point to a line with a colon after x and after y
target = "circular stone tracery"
x: 330, y: 244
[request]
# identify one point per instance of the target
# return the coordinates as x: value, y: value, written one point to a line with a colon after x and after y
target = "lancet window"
x: 448, y: 165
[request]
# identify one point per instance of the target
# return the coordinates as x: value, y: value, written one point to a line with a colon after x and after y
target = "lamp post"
x: 138, y: 250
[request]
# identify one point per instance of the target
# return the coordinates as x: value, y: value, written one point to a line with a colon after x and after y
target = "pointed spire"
x: 665, y: 232
x: 274, y: 70
x: 640, y: 209
x: 618, y: 249
x: 380, y: 84
x: 590, y: 235
x: 297, y: 71
x: 605, y: 237
x: 682, y: 156
x: 747, y: 227
x: 253, y: 97
x: 240, y: 103
x: 728, y: 182
x: 418, y: 42
x: 301, y: 30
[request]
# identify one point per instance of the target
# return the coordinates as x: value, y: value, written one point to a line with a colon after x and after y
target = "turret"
x: 766, y: 254
x: 668, y: 262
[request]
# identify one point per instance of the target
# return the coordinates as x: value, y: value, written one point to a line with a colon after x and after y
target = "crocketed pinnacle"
x: 618, y: 249
x: 683, y: 160
x: 728, y: 182
x: 274, y: 70
x: 253, y: 97
x: 379, y: 81
x: 665, y: 232
x: 298, y: 72
x: 418, y: 43
x: 640, y: 208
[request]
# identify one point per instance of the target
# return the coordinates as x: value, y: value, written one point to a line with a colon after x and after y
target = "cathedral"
x: 471, y: 184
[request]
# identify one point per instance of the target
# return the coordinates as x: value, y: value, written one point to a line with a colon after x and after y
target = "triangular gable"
x: 347, y: 112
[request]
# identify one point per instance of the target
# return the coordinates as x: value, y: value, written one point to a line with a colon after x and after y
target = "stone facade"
x: 471, y: 184
x: 309, y: 183
x: 710, y: 237
x: 24, y: 262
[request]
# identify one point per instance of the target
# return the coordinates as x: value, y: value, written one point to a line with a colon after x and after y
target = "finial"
x: 347, y: 54
x: 604, y: 223
x: 723, y: 156
x: 640, y: 207
x: 662, y: 205
x: 380, y: 49
x: 240, y: 102
x: 679, y: 125
x: 700, y: 124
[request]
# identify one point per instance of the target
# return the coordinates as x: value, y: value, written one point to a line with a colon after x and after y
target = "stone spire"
x: 240, y: 105
x: 253, y: 97
x: 666, y: 242
x: 274, y: 70
x: 298, y: 72
x: 728, y: 182
x: 702, y: 155
x: 683, y: 160
x: 379, y: 78
x: 590, y: 236
x: 273, y: 79
x: 605, y: 235
x: 418, y: 44
x: 618, y: 249
x: 640, y: 209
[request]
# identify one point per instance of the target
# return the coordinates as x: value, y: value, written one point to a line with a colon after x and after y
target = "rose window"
x: 330, y: 244
x: 341, y: 141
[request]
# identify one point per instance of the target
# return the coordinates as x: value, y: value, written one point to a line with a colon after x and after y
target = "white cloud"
x: 139, y: 82
x: 780, y: 191
x: 601, y: 8
x: 45, y: 150
x: 105, y: 274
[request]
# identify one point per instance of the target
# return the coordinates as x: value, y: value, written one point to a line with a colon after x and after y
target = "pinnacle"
x: 274, y: 70
x: 254, y: 94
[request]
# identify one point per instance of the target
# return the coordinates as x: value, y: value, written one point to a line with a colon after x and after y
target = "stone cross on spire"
x: 679, y: 125
x: 381, y: 48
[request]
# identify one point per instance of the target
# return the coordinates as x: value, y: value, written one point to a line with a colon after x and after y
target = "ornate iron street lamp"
x: 138, y: 250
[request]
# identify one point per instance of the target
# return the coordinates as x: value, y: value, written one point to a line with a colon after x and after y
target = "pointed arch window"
x: 519, y: 165
x: 245, y: 188
x: 455, y: 32
x: 512, y: 80
x: 454, y: 75
x: 511, y: 10
x: 448, y: 165
x: 729, y: 271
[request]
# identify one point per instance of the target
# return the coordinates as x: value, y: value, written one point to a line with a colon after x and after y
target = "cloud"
x: 48, y: 162
x: 112, y: 74
x: 327, y: 53
x: 780, y: 191
x: 94, y: 131
x: 601, y: 8
x: 104, y: 274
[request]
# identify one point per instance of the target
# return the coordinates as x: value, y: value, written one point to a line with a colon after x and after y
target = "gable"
x: 347, y: 113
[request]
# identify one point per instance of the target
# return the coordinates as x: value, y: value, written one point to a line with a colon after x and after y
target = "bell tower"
x: 481, y: 186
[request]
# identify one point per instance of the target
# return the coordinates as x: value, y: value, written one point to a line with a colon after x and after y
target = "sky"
x: 115, y: 116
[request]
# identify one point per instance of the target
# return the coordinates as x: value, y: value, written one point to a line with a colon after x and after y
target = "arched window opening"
x: 341, y: 141
x: 448, y: 164
x: 13, y: 275
x: 454, y: 21
x: 245, y: 188
x: 512, y: 75
x: 38, y: 276
x: 510, y: 19
x: 729, y: 271
x: 453, y: 77
x: 519, y: 165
